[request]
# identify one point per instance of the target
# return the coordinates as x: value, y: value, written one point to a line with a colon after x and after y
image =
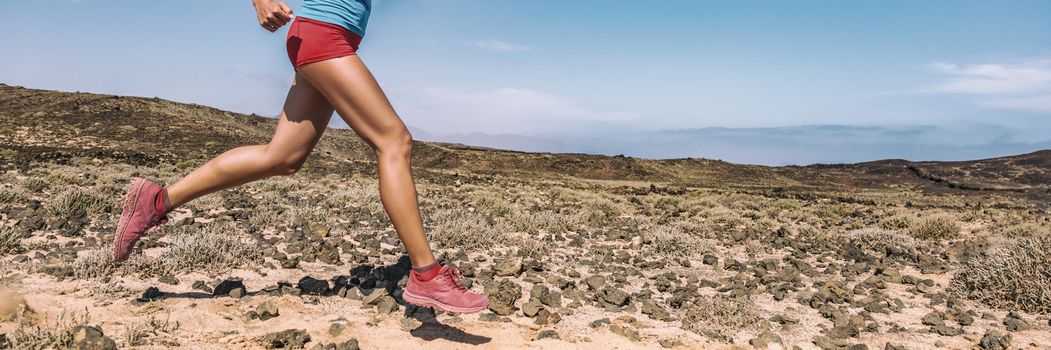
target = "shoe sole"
x: 127, y: 213
x: 431, y: 303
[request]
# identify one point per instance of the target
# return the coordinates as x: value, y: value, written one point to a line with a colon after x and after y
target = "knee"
x: 398, y: 146
x: 287, y: 164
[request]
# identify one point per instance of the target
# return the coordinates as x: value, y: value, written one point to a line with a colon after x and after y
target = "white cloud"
x: 500, y: 46
x: 1019, y: 85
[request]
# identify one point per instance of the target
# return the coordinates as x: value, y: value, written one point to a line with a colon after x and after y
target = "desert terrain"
x: 576, y: 251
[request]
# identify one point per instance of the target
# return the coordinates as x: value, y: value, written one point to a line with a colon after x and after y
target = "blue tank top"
x: 350, y: 14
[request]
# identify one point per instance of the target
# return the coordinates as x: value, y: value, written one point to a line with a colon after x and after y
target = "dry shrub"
x: 1025, y: 230
x: 720, y: 317
x: 76, y: 201
x: 878, y: 239
x: 361, y: 195
x: 1016, y: 275
x: 143, y: 333
x: 722, y: 215
x: 34, y: 184
x: 896, y: 222
x: 670, y: 203
x: 58, y: 335
x: 600, y: 210
x: 490, y: 203
x: 545, y: 220
x: 936, y: 228
x: 460, y: 228
x: 671, y: 241
x: 213, y: 249
x: 14, y: 195
x: 11, y: 240
x: 95, y: 263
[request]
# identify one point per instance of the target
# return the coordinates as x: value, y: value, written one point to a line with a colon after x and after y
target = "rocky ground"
x: 575, y: 251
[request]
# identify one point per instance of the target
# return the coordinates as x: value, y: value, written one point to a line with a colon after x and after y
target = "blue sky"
x: 776, y: 82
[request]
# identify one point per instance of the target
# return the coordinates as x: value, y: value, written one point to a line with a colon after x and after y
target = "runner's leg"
x: 303, y: 119
x: 351, y: 89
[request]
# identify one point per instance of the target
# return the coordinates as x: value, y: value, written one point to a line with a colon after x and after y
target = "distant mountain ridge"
x: 41, y: 125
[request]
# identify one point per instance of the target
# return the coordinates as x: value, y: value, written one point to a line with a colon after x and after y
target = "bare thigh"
x: 353, y: 91
x: 303, y: 120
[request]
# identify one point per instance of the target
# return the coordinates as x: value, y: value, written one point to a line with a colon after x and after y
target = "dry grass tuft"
x: 212, y: 250
x: 75, y: 202
x: 671, y: 241
x: 720, y: 317
x: 936, y: 227
x: 464, y: 229
x: 11, y: 240
x: 58, y: 335
x: 878, y: 239
x: 1013, y: 276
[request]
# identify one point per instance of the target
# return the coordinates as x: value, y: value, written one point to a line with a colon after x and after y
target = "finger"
x: 282, y: 15
x: 280, y: 21
x: 284, y: 6
x: 275, y: 22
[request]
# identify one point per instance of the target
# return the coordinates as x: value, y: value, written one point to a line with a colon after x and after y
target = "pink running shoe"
x: 444, y: 292
x: 139, y: 215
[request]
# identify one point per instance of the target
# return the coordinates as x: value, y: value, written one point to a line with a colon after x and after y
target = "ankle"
x: 427, y: 272
x: 162, y: 203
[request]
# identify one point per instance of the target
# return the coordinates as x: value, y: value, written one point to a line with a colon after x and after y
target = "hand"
x: 272, y: 14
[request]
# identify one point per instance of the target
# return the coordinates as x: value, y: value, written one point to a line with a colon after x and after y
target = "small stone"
x: 328, y: 254
x: 310, y: 285
x: 710, y: 259
x: 1015, y: 322
x: 374, y: 297
x: 764, y: 340
x: 502, y: 297
x: 595, y: 282
x: 347, y: 345
x: 654, y: 311
x: 409, y: 324
x: 599, y: 322
x: 670, y: 343
x: 994, y: 340
x: 947, y: 331
x: 286, y: 339
x: 201, y: 286
x: 489, y: 317
x: 168, y: 279
x: 508, y: 267
x: 230, y: 287
x: 151, y: 294
x: 626, y: 331
x: 538, y: 292
x: 939, y: 344
x: 893, y: 346
x: 266, y: 311
x: 547, y: 334
x: 91, y: 338
x: 552, y: 299
x: 531, y: 308
x: 545, y: 317
x: 615, y: 296
x: 335, y: 329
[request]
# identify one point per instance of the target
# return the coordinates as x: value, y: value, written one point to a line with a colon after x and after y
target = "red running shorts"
x: 312, y: 41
